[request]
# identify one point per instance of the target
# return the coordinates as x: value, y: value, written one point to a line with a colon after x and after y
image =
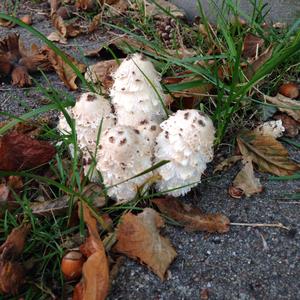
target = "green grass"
x: 230, y: 103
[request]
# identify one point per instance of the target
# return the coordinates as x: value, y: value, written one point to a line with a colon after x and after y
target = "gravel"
x: 246, y: 263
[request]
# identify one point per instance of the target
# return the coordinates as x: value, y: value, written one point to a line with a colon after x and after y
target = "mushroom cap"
x: 123, y: 154
x: 91, y: 113
x: 273, y: 128
x: 186, y: 141
x: 137, y: 93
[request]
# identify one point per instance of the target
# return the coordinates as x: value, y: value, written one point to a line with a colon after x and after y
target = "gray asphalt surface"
x: 246, y: 263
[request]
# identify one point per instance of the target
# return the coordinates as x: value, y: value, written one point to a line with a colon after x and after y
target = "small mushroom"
x: 186, y: 141
x: 136, y: 93
x: 123, y: 154
x: 92, y: 114
x: 273, y: 128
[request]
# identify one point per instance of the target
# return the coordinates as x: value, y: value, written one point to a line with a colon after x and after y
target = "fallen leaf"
x: 57, y: 37
x: 63, y: 70
x: 20, y: 77
x: 15, y: 242
x: 20, y: 152
x: 6, y: 23
x: 118, y: 7
x: 138, y: 238
x: 267, y: 153
x: 87, y: 5
x: 252, y: 45
x: 102, y: 72
x: 95, y: 23
x: 290, y: 125
x: 287, y: 105
x: 191, y: 217
x: 254, y: 65
x: 94, y: 283
x: 227, y: 163
x: 12, y: 276
x: 54, y: 6
x: 246, y: 181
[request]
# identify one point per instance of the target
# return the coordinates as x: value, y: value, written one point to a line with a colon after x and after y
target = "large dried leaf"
x: 63, y: 70
x: 94, y: 283
x: 102, y: 72
x: 192, y: 217
x: 14, y: 244
x: 12, y: 276
x: 246, y: 181
x: 19, y: 152
x: 287, y: 105
x: 138, y: 237
x: 267, y: 153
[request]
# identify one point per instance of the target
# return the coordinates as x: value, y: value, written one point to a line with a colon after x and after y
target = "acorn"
x: 71, y: 265
x: 290, y: 90
x: 27, y: 19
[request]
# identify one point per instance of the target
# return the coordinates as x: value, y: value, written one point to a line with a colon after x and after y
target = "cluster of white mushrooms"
x: 131, y: 133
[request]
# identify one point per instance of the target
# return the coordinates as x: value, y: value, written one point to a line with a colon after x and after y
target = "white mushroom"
x: 92, y: 113
x: 273, y: 128
x: 123, y: 154
x: 187, y: 142
x: 137, y: 94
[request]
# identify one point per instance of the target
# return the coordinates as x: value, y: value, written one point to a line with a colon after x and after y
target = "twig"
x: 276, y: 225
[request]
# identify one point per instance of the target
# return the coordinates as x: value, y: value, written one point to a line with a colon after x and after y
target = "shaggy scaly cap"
x: 186, y: 141
x: 136, y: 92
x: 123, y: 154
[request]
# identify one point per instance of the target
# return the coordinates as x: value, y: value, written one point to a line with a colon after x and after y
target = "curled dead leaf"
x: 20, y: 77
x: 19, y: 152
x: 285, y: 104
x: 267, y: 153
x: 14, y: 244
x: 246, y: 181
x: 12, y: 276
x: 138, y: 238
x: 94, y: 283
x: 64, y: 70
x: 191, y: 217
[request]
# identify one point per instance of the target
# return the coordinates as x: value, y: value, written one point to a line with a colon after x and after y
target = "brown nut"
x: 71, y: 265
x: 290, y: 90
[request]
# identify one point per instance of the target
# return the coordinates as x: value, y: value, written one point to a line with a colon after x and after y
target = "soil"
x: 246, y: 263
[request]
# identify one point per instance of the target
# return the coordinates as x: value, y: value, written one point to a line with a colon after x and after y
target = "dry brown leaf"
x: 118, y: 7
x: 191, y: 217
x: 87, y: 5
x: 290, y: 125
x: 57, y: 37
x: 253, y: 66
x: 246, y: 181
x: 12, y: 276
x: 54, y: 6
x: 95, y: 23
x: 94, y: 283
x: 252, y: 45
x: 14, y: 244
x: 138, y: 237
x: 287, y: 105
x: 227, y: 163
x: 63, y: 70
x: 20, y: 152
x: 267, y: 153
x: 102, y: 72
x: 6, y: 23
x: 20, y: 77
